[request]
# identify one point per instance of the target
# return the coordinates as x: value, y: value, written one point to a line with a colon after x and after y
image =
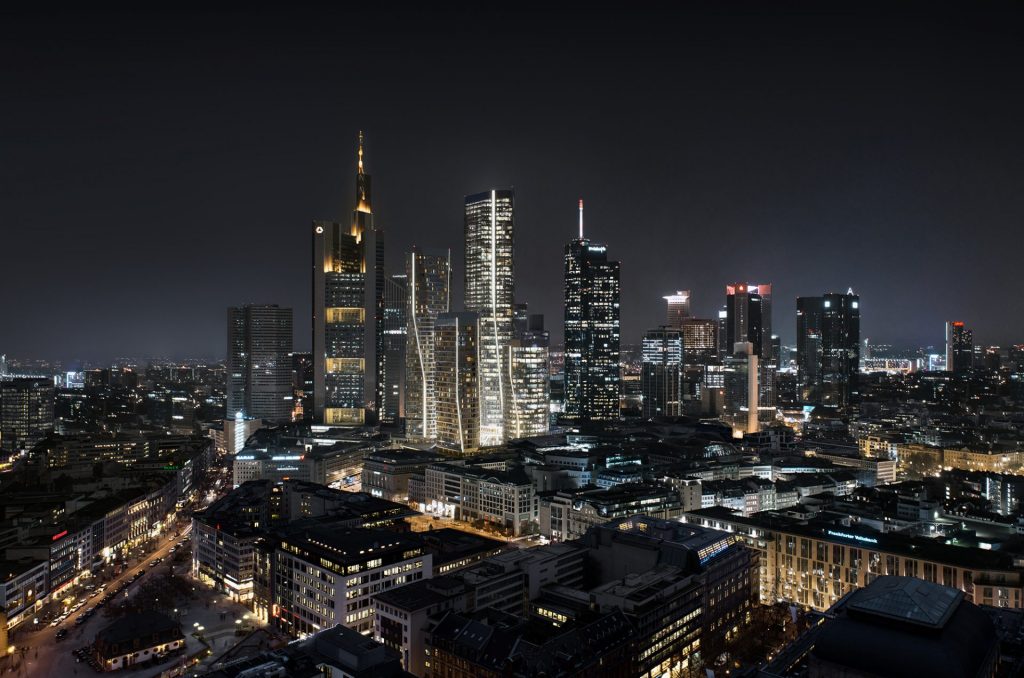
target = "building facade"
x: 592, y: 373
x: 489, y: 292
x: 428, y: 277
x: 348, y: 305
x: 529, y: 402
x: 259, y: 364
x: 26, y: 412
x: 394, y: 331
x: 458, y: 392
x: 749, y: 317
x: 662, y: 376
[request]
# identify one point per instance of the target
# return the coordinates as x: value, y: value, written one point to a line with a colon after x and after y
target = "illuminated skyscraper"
x: 592, y: 379
x: 26, y: 412
x: 529, y: 406
x: 428, y: 278
x: 259, y: 362
x: 348, y: 308
x: 489, y: 292
x: 662, y: 377
x: 392, y: 356
x: 749, y: 317
x: 700, y: 341
x: 959, y: 347
x: 743, y: 393
x: 678, y: 308
x: 457, y: 385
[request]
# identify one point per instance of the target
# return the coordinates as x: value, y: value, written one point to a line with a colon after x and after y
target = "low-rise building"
x: 137, y: 638
x: 504, y: 499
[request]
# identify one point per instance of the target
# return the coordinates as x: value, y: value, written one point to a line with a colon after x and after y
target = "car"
x: 62, y: 634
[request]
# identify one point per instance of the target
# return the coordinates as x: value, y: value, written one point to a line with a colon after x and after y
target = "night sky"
x: 157, y: 168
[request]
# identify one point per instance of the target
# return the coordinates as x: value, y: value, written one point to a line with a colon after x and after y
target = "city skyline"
x: 811, y: 192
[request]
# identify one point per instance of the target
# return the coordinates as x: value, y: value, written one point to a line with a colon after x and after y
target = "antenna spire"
x: 360, y: 151
x: 581, y: 218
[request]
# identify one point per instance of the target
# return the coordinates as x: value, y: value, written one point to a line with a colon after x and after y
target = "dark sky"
x: 157, y: 168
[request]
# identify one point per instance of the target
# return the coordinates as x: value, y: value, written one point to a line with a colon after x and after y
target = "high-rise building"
x: 662, y: 377
x: 678, y: 308
x: 394, y: 330
x: 959, y: 347
x: 724, y: 349
x: 808, y: 347
x: 749, y: 317
x: 742, y: 388
x: 592, y: 378
x: 828, y: 348
x: 348, y: 308
x: 456, y: 382
x: 489, y: 292
x: 840, y: 348
x: 700, y: 341
x: 428, y: 277
x: 26, y: 412
x: 259, y: 364
x: 529, y: 384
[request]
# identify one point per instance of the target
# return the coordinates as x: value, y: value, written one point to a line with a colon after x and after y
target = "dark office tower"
x: 724, y: 350
x: 749, y: 317
x: 959, y: 347
x: 529, y: 382
x: 840, y: 348
x: 662, y: 376
x: 808, y: 348
x: 259, y: 365
x: 592, y: 377
x: 348, y: 309
x: 392, y: 355
x: 302, y: 386
x: 457, y: 383
x: 489, y: 290
x: 520, y: 319
x: 428, y: 278
x: 26, y: 412
x: 678, y: 308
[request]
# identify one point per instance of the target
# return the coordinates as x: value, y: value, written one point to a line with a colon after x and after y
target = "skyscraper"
x: 457, y: 383
x: 743, y: 393
x: 428, y: 277
x: 678, y: 308
x: 959, y: 347
x: 724, y: 350
x: 749, y: 317
x: 828, y: 348
x: 348, y: 308
x: 840, y: 348
x: 259, y: 363
x: 808, y: 347
x: 662, y: 376
x: 26, y: 412
x: 391, y: 359
x: 700, y: 341
x: 489, y: 292
x: 529, y: 384
x: 592, y: 377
